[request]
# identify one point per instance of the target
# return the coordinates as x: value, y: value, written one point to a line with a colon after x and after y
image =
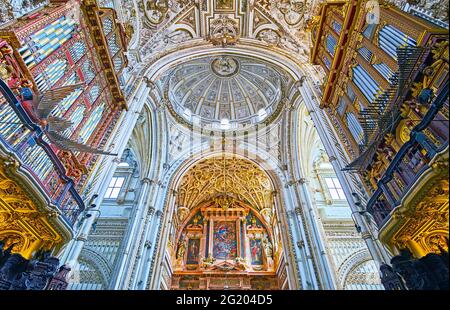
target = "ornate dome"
x: 225, y: 90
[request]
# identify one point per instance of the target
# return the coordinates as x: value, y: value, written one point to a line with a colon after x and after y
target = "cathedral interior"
x: 224, y: 144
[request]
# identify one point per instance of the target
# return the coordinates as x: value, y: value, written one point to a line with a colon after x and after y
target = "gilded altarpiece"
x: 224, y: 244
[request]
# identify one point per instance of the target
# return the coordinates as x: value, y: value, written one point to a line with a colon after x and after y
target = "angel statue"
x: 206, y: 262
x: 39, y: 108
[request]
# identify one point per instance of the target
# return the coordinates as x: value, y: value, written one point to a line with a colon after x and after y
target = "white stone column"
x: 130, y: 241
x: 321, y: 124
x: 304, y: 261
x: 326, y: 272
x: 123, y: 130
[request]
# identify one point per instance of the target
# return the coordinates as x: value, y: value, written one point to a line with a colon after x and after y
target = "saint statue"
x: 181, y: 249
x: 268, y: 247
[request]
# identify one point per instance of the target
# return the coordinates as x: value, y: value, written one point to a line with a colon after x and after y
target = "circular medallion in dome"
x: 225, y: 66
x: 225, y: 90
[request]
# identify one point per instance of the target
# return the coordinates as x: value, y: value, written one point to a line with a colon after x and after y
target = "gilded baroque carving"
x: 240, y: 178
x: 21, y: 221
x: 224, y: 31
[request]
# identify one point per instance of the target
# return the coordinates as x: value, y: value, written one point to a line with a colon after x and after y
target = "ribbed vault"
x: 232, y: 176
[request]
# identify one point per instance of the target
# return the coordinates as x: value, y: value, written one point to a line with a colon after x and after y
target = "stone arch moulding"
x: 155, y: 67
x: 350, y: 263
x: 277, y: 179
x: 98, y: 263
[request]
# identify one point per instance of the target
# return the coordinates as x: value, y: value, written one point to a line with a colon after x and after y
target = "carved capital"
x: 150, y: 84
x: 11, y: 163
x: 117, y: 160
x: 303, y: 181
x: 146, y: 180
x: 82, y: 237
x: 151, y: 210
